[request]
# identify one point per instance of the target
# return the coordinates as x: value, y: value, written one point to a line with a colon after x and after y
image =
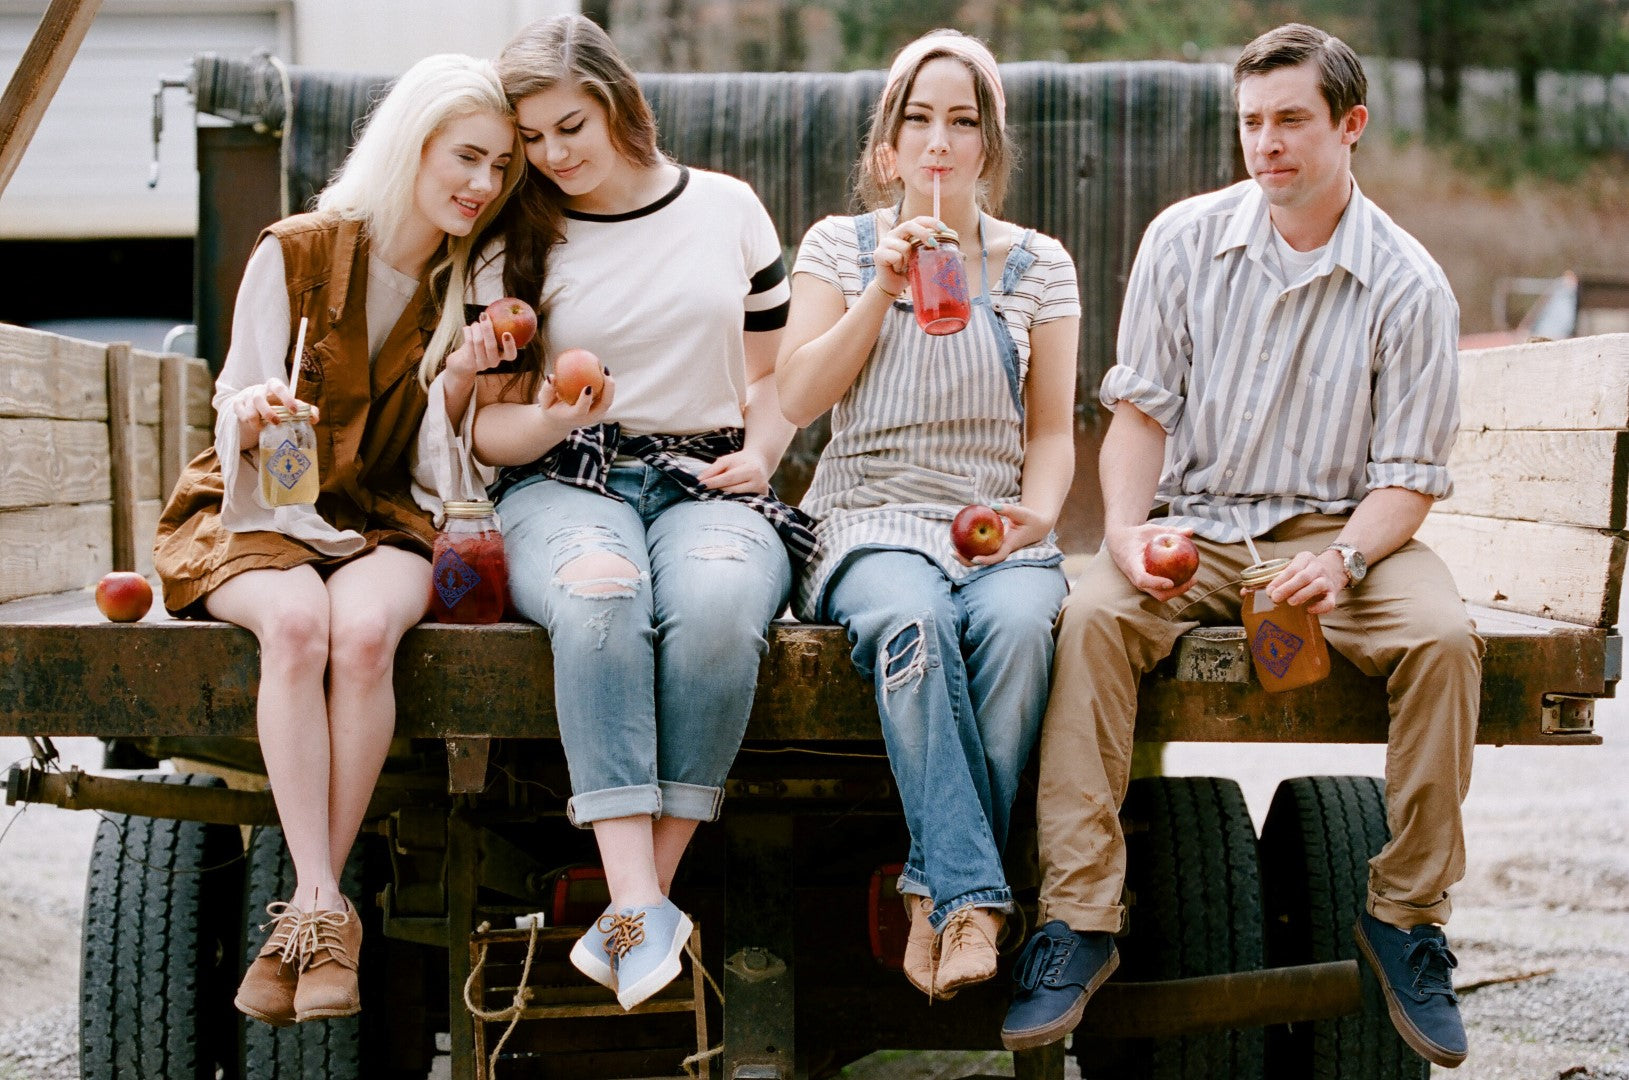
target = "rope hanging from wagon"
x: 517, y: 1004
x: 692, y: 1064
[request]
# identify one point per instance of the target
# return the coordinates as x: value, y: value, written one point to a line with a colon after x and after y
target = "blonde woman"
x: 328, y: 589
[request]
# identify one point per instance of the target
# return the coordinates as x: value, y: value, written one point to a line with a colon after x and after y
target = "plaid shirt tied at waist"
x: 583, y: 459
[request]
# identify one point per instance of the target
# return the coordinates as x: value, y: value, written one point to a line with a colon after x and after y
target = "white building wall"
x: 85, y: 172
x: 389, y: 35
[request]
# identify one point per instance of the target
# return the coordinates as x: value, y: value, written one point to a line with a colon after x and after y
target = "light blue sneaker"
x: 646, y: 944
x: 594, y: 955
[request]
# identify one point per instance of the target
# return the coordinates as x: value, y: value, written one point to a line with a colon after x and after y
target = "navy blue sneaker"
x: 1413, y: 968
x: 1057, y: 972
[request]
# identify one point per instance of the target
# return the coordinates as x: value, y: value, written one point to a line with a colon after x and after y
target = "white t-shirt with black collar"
x: 662, y: 296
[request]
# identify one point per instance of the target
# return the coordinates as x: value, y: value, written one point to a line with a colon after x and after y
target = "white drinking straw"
x: 935, y: 196
x: 1255, y: 556
x: 299, y: 361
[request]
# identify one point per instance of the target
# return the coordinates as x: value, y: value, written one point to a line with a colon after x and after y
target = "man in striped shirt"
x: 1287, y: 367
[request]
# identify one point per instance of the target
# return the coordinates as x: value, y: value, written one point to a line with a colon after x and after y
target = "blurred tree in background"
x: 1446, y: 37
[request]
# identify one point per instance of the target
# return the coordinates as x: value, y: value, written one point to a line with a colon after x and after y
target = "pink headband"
x: 960, y: 46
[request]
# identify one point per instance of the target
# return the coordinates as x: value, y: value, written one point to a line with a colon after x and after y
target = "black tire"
x: 157, y: 959
x: 1195, y: 909
x: 346, y: 1049
x: 1316, y: 844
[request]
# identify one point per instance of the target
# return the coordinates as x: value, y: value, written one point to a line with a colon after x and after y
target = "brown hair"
x: 562, y: 49
x: 877, y: 182
x: 1340, y: 75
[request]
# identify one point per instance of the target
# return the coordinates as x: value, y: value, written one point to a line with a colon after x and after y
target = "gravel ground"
x: 1545, y: 905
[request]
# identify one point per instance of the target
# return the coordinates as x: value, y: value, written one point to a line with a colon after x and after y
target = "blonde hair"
x: 376, y: 184
x: 877, y: 180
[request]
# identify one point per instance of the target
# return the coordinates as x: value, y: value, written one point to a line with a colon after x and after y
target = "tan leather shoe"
x: 922, y: 946
x: 267, y: 990
x: 967, y: 948
x: 330, y: 942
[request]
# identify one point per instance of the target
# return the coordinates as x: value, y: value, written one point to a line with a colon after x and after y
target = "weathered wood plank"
x: 1556, y: 571
x: 170, y: 677
x: 144, y: 440
x: 1577, y: 384
x: 1571, y: 477
x: 146, y: 388
x: 121, y: 439
x: 38, y: 74
x: 146, y: 522
x: 49, y: 376
x: 200, y: 392
x: 172, y: 429
x: 52, y: 461
x: 53, y: 549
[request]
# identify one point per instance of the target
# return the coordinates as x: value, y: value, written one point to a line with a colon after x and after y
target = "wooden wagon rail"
x: 166, y: 677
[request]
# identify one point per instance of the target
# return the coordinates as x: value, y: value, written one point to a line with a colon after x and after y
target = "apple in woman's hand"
x: 576, y: 370
x: 977, y: 530
x: 513, y: 317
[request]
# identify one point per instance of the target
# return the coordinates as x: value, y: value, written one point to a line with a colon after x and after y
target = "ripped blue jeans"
x: 961, y: 671
x: 657, y: 610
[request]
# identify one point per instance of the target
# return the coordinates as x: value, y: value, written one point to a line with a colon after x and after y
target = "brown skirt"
x: 194, y: 554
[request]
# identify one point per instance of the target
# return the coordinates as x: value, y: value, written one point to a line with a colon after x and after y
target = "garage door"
x: 85, y: 172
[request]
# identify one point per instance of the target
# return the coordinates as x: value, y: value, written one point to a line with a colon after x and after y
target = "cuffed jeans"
x: 654, y: 670
x: 960, y: 671
x: 1404, y: 622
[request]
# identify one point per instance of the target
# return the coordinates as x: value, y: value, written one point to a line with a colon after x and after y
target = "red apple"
x: 977, y: 530
x: 1171, y: 555
x: 124, y: 596
x: 513, y: 317
x: 576, y: 370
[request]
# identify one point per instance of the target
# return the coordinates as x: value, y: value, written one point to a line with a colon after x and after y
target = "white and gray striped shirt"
x: 1285, y: 398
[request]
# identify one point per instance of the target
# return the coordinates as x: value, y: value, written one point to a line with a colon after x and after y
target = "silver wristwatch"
x: 1352, y: 561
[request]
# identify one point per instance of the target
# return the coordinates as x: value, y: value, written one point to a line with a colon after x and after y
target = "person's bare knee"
x: 362, y: 646
x: 293, y: 638
x: 602, y: 575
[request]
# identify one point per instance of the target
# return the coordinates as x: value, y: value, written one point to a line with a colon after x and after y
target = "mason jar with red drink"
x: 469, y: 580
x: 939, y: 285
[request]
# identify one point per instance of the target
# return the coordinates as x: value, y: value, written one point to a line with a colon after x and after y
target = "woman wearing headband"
x: 959, y: 649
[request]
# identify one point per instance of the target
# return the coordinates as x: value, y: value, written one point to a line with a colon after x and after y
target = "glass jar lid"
x: 283, y: 414
x: 1261, y: 573
x: 467, y: 508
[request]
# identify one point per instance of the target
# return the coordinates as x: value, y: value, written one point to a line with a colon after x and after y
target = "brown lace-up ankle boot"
x: 267, y: 990
x: 331, y: 942
x: 922, y: 946
x: 967, y: 948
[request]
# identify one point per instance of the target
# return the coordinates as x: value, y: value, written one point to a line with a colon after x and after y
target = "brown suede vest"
x: 368, y: 420
x: 368, y: 416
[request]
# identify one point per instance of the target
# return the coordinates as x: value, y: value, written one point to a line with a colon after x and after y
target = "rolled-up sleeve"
x: 1154, y: 350
x: 1416, y: 396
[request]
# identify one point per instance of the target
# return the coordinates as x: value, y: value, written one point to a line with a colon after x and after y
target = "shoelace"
x: 623, y: 933
x: 1044, y: 959
x: 285, y: 917
x: 1431, y: 971
x: 315, y: 931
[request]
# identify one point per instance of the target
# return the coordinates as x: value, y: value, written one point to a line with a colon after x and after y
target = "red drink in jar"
x: 939, y: 286
x: 469, y: 580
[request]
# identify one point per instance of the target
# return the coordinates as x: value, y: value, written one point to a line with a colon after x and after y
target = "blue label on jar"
x: 287, y: 465
x: 454, y: 577
x: 1275, y: 648
x: 950, y: 278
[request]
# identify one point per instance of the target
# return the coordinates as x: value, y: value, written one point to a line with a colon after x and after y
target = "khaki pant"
x: 1405, y: 621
